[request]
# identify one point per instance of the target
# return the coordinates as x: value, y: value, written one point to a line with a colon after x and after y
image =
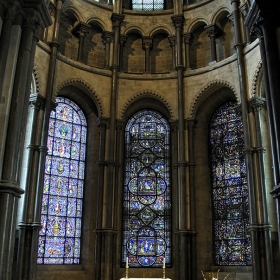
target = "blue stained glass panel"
x: 60, y: 233
x: 232, y: 245
x: 147, y: 191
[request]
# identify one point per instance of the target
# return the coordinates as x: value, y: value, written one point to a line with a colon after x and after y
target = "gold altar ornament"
x: 213, y: 275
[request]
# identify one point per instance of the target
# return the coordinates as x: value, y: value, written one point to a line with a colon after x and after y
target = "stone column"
x: 191, y: 124
x: 261, y: 198
x: 10, y: 13
x: 35, y: 16
x: 103, y: 124
x: 107, y: 38
x: 172, y: 42
x: 263, y: 20
x: 25, y: 228
x: 147, y: 44
x: 213, y: 31
x: 49, y: 106
x: 123, y: 39
x: 183, y: 232
x: 106, y: 234
x: 81, y: 29
x: 244, y: 11
x: 188, y: 39
x: 247, y: 142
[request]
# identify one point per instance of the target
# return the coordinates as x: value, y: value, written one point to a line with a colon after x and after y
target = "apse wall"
x: 148, y: 68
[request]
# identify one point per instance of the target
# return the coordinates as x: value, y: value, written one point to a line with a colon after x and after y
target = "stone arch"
x: 97, y: 22
x: 196, y: 22
x: 74, y: 11
x: 218, y: 13
x: 147, y: 94
x: 257, y: 80
x: 206, y: 91
x: 160, y: 28
x: 83, y: 85
x: 134, y: 28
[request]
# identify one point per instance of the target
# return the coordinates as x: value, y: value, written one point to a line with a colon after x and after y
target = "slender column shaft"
x: 107, y: 38
x: 172, y: 41
x: 247, y: 140
x: 272, y: 60
x: 81, y: 29
x: 261, y: 201
x: 123, y: 39
x: 101, y: 168
x: 107, y: 234
x: 191, y: 165
x: 188, y: 41
x: 147, y: 45
x: 24, y: 224
x: 36, y: 223
x: 213, y: 31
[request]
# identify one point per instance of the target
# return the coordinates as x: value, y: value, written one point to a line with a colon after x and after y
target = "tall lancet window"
x: 147, y: 191
x: 232, y: 244
x: 61, y: 218
x: 147, y: 5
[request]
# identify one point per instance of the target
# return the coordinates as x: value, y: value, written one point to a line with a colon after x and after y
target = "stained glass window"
x: 147, y: 5
x: 232, y: 244
x: 147, y: 191
x: 61, y: 216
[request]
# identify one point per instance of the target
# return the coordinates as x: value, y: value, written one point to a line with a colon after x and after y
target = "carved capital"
x: 230, y: 17
x: 257, y: 103
x: 244, y: 9
x: 147, y: 42
x: 41, y: 7
x: 178, y: 20
x: 107, y: 37
x: 36, y: 100
x: 102, y: 122
x: 80, y: 29
x: 117, y: 19
x: 123, y: 39
x: 188, y: 38
x: 11, y: 10
x: 172, y: 40
x: 256, y: 31
x: 212, y: 30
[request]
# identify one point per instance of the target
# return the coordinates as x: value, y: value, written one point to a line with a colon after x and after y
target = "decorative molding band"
x: 256, y: 79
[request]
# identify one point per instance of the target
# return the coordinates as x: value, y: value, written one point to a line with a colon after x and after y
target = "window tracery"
x: 147, y: 191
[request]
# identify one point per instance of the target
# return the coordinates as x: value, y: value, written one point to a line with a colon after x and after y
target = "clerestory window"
x: 147, y: 5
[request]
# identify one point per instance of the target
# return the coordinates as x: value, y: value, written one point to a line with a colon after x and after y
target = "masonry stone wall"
x: 205, y: 87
